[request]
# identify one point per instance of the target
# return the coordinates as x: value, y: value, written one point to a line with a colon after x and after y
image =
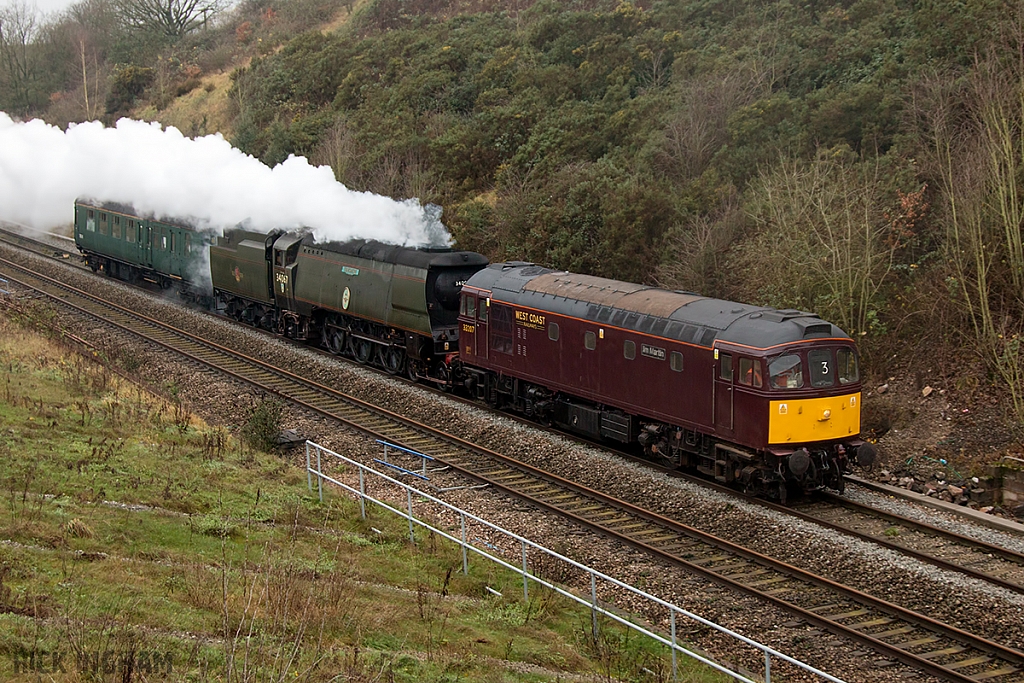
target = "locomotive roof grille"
x: 683, y: 316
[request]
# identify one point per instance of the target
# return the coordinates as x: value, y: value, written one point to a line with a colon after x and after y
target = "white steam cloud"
x: 162, y: 173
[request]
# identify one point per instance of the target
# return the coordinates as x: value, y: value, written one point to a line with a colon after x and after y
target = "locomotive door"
x: 723, y: 393
x: 483, y: 305
x: 145, y: 245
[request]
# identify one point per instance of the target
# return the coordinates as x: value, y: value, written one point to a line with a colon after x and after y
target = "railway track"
x: 925, y: 542
x: 66, y: 251
x: 915, y: 639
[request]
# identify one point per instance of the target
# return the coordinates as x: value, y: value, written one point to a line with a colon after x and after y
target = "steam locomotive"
x: 765, y: 399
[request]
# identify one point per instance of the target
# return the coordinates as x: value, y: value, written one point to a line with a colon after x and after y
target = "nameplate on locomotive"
x: 652, y: 351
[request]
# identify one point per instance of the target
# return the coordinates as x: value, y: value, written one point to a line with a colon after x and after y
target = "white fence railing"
x: 314, y: 466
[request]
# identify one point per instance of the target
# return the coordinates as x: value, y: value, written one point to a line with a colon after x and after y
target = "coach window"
x: 846, y: 366
x: 725, y: 366
x: 90, y: 221
x: 482, y: 313
x: 822, y: 369
x: 471, y: 307
x: 675, y: 360
x: 553, y: 331
x: 172, y: 242
x: 163, y: 242
x: 750, y: 372
x: 786, y: 372
x: 188, y: 243
x: 129, y: 233
x: 629, y: 349
x: 590, y: 341
x: 104, y: 230
x: 116, y: 233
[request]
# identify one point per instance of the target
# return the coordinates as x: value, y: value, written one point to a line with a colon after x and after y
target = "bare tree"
x: 828, y: 239
x: 18, y: 28
x: 172, y: 18
x: 697, y: 130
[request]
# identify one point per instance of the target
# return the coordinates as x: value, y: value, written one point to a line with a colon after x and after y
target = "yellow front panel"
x: 814, y: 419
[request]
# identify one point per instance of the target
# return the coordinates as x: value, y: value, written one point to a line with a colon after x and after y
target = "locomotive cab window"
x: 675, y: 360
x: 725, y: 366
x: 471, y: 306
x: 629, y: 349
x: 822, y: 368
x: 846, y: 366
x: 590, y: 341
x: 786, y: 372
x: 553, y: 331
x: 750, y: 373
x: 463, y: 304
x: 481, y: 315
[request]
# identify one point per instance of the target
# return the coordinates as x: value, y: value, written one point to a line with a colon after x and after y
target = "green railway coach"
x: 116, y: 240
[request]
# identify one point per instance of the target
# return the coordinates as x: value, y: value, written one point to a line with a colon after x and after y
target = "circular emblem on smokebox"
x: 346, y: 296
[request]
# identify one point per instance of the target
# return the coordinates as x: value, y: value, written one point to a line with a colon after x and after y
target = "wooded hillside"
x: 860, y: 159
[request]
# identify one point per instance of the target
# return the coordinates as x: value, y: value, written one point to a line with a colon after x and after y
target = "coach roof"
x: 682, y: 316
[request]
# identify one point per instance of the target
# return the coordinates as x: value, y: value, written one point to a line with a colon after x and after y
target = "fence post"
x: 465, y: 558
x: 309, y: 475
x: 593, y: 601
x: 675, y: 665
x: 362, y: 493
x: 408, y: 495
x: 319, y: 476
x: 767, y: 667
x: 526, y: 591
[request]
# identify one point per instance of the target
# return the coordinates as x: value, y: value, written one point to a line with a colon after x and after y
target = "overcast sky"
x: 41, y: 6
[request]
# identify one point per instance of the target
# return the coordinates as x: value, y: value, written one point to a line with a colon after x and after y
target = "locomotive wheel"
x: 363, y: 350
x: 442, y: 378
x: 411, y: 372
x: 393, y: 359
x: 336, y: 342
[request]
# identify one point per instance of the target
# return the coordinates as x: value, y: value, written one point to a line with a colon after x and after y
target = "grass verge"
x: 138, y: 543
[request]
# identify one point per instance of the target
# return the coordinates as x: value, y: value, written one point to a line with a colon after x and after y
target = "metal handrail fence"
x: 596, y: 608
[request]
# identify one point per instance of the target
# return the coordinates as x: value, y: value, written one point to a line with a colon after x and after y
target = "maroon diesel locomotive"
x: 766, y: 398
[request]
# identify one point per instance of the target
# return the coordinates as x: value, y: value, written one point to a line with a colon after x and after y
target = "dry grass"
x: 203, y: 111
